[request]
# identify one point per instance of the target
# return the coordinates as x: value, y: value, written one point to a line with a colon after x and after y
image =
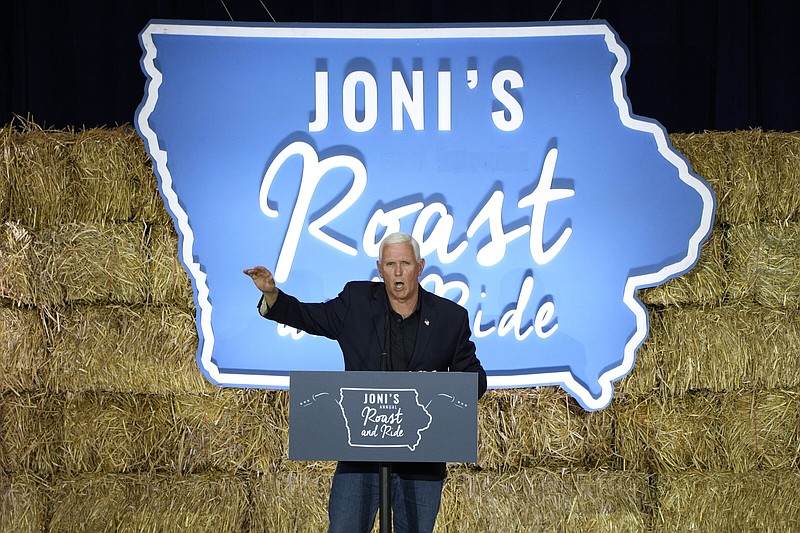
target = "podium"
x: 383, y: 417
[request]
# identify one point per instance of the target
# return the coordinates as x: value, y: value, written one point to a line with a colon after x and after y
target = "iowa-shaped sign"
x: 541, y: 202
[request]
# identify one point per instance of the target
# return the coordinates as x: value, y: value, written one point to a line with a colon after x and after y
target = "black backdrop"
x: 695, y: 64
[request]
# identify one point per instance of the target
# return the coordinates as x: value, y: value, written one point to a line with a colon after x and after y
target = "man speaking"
x: 417, y: 331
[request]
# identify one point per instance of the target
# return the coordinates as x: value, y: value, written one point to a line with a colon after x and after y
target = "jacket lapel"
x: 427, y: 321
x: 378, y: 308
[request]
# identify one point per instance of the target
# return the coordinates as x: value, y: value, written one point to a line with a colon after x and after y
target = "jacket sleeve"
x: 322, y: 319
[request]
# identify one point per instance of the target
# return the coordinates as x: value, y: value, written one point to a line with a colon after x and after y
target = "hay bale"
x: 730, y: 348
x: 23, y: 349
x: 116, y: 177
x: 169, y: 282
x: 703, y: 348
x: 289, y: 501
x: 32, y: 432
x: 94, y: 263
x: 776, y: 364
x: 108, y: 175
x: 118, y: 433
x: 754, y: 173
x: 149, y: 206
x: 22, y: 504
x: 125, y: 349
x: 41, y: 175
x: 724, y: 502
x: 706, y: 283
x: 228, y: 431
x: 765, y: 263
x: 231, y: 430
x: 59, y: 176
x: 16, y: 272
x: 542, y: 500
x: 761, y: 430
x: 148, y: 502
x: 645, y: 376
x: 540, y: 427
x: 659, y: 434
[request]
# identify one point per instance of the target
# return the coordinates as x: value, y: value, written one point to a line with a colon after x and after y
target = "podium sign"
x: 383, y: 416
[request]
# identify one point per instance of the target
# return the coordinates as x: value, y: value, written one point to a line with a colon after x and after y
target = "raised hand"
x: 263, y: 280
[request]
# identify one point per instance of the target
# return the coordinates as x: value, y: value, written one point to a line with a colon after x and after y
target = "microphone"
x: 386, y: 363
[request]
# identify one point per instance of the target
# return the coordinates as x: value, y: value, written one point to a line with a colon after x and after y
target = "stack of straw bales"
x: 107, y: 425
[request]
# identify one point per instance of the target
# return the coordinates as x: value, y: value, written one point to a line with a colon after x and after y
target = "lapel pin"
x: 427, y: 322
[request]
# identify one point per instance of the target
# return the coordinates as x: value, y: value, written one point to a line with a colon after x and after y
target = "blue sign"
x: 541, y: 203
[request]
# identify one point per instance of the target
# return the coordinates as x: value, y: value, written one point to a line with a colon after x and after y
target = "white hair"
x: 399, y: 238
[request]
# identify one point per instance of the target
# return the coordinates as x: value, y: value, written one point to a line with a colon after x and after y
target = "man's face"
x: 400, y: 271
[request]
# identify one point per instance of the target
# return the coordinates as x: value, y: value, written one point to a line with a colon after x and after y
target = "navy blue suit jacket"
x: 356, y: 319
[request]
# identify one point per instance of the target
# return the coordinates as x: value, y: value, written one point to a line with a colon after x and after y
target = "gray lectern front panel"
x: 383, y: 416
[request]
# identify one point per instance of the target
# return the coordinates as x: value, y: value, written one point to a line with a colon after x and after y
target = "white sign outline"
x: 562, y: 378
